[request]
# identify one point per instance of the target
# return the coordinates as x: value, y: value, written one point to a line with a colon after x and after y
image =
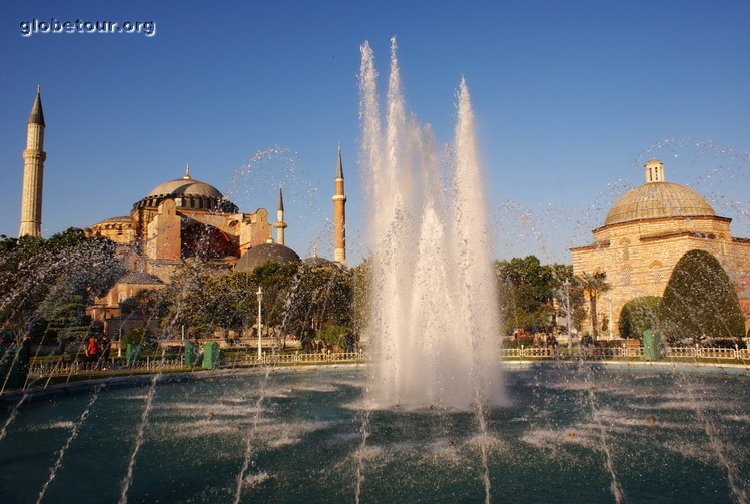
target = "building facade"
x: 177, y: 220
x: 645, y: 234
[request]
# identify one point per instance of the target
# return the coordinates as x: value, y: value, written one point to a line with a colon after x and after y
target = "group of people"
x: 547, y: 340
x: 96, y: 350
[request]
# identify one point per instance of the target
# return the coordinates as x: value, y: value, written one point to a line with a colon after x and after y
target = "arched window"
x: 657, y: 272
x: 625, y: 276
x: 625, y: 244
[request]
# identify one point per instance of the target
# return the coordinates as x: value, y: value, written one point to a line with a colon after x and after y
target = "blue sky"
x: 571, y: 98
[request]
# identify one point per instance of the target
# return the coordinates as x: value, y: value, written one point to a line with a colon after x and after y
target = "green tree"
x: 528, y: 292
x: 637, y: 315
x: 593, y: 286
x: 525, y: 290
x: 360, y: 306
x: 54, y: 280
x: 64, y: 312
x: 700, y: 301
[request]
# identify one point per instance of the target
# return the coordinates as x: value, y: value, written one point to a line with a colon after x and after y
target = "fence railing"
x: 61, y: 368
x: 159, y: 364
x: 615, y: 352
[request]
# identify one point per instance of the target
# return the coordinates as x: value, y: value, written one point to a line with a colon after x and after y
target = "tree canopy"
x: 46, y: 285
x: 295, y: 297
x: 700, y: 301
x: 529, y: 292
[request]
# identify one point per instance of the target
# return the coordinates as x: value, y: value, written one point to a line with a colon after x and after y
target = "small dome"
x: 317, y: 262
x: 135, y: 278
x: 658, y: 199
x: 185, y: 186
x: 263, y: 254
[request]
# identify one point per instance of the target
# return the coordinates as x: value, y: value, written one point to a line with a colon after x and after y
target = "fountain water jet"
x: 433, y: 321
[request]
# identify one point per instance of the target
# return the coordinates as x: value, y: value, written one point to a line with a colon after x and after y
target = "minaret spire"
x: 33, y: 171
x: 339, y: 167
x: 37, y: 114
x: 339, y: 215
x: 280, y: 225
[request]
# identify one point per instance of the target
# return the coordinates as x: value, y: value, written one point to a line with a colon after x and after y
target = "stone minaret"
x: 280, y: 224
x: 33, y: 171
x: 654, y: 170
x: 339, y: 218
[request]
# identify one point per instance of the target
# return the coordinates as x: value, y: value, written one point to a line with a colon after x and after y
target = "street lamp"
x: 259, y: 295
x: 609, y: 324
x: 566, y: 284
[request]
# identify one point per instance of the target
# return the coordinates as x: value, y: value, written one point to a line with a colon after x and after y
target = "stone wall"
x: 638, y: 257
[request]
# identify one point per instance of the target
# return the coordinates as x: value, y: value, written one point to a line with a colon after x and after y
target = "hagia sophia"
x: 177, y: 220
x: 643, y: 236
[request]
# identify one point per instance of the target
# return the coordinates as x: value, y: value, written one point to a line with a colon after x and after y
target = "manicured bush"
x: 700, y: 301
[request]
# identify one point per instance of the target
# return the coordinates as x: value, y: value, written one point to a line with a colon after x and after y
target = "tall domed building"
x: 179, y: 219
x: 647, y: 231
x: 184, y: 218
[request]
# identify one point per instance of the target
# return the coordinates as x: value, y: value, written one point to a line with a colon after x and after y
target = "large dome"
x: 658, y: 199
x: 188, y: 193
x: 185, y: 186
x: 263, y: 254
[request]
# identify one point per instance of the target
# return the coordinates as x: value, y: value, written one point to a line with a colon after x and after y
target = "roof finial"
x: 314, y: 249
x: 187, y: 171
x: 339, y: 167
x: 38, y: 88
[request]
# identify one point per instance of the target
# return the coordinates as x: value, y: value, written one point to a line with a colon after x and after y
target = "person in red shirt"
x: 92, y: 350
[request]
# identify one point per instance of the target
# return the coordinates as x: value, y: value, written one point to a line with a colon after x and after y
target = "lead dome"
x: 188, y: 192
x: 658, y: 199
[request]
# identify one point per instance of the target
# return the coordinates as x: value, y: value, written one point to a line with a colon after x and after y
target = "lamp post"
x: 567, y: 314
x: 259, y: 295
x: 609, y: 324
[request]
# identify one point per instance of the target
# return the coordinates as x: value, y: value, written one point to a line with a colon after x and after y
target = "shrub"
x: 700, y: 301
x: 638, y: 315
x: 139, y: 336
x: 333, y: 335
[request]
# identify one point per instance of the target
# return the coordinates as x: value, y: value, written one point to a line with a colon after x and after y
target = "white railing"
x: 633, y: 351
x: 680, y: 352
x: 75, y: 367
x: 717, y: 353
x: 616, y: 352
x: 313, y: 358
x: 158, y: 364
x: 251, y: 359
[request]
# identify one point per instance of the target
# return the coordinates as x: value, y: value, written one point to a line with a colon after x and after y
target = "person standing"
x: 92, y: 350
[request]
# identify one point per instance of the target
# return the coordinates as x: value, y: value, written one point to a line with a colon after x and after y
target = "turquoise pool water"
x: 568, y: 434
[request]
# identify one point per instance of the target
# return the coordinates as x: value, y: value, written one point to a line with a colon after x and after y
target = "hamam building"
x: 647, y: 231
